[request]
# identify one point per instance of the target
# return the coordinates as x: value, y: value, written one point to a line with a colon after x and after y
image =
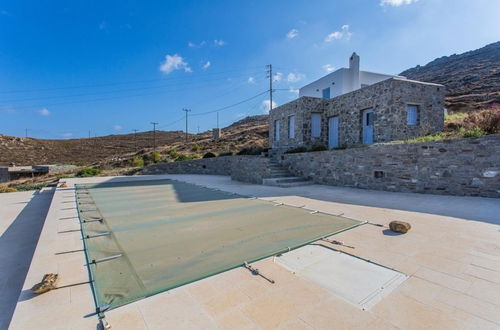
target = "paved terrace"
x: 451, y: 254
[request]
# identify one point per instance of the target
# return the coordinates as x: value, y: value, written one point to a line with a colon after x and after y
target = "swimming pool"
x: 145, y: 237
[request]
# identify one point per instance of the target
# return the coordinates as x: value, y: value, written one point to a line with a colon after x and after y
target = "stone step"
x: 284, y: 180
x: 279, y: 175
x: 282, y: 171
x: 294, y: 184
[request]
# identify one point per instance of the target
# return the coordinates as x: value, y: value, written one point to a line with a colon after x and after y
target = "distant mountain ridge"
x: 472, y: 79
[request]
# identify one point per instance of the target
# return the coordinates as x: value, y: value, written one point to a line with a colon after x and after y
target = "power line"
x: 125, y: 82
x: 229, y: 106
x: 189, y: 83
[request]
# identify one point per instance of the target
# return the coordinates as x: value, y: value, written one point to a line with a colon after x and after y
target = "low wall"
x: 215, y: 165
x: 241, y: 168
x: 4, y: 174
x: 465, y: 167
x: 250, y: 169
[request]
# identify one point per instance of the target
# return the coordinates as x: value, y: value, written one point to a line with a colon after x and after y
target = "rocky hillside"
x: 472, y: 79
x: 250, y: 131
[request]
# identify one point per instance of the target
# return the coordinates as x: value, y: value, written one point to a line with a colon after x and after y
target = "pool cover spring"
x: 145, y: 237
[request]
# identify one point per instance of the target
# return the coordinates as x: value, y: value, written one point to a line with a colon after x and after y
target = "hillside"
x: 472, y: 79
x: 250, y: 131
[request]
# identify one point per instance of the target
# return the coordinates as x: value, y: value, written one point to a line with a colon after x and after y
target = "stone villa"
x: 350, y: 107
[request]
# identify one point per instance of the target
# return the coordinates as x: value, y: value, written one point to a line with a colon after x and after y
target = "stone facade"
x: 241, y: 168
x: 464, y: 167
x: 388, y: 99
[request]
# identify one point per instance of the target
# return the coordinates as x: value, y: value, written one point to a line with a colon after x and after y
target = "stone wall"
x: 388, y: 100
x: 215, y: 165
x: 250, y: 169
x: 465, y: 167
x: 4, y: 174
x: 241, y: 168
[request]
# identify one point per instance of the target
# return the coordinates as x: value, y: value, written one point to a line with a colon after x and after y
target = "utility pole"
x: 270, y: 76
x: 135, y: 140
x: 186, y: 111
x: 217, y: 119
x: 198, y: 129
x: 154, y: 135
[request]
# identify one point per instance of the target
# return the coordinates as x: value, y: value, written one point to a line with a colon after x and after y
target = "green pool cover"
x: 145, y: 237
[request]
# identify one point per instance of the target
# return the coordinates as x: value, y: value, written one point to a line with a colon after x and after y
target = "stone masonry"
x: 464, y: 167
x: 388, y: 99
x: 241, y: 168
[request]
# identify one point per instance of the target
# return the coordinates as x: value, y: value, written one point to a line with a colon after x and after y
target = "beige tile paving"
x: 454, y: 265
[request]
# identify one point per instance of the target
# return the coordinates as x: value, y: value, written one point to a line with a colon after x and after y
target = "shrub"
x: 251, y: 151
x: 26, y: 187
x: 155, y: 156
x: 222, y: 154
x: 137, y: 161
x: 186, y: 157
x: 86, y: 172
x: 4, y: 189
x: 196, y: 148
x: 475, y: 132
x: 173, y: 153
x: 487, y: 120
x: 318, y: 148
x: 209, y: 155
x: 296, y: 150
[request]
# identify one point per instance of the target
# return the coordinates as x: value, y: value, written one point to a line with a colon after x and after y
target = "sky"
x: 72, y: 69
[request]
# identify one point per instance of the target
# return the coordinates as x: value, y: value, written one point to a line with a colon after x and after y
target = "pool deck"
x: 451, y: 255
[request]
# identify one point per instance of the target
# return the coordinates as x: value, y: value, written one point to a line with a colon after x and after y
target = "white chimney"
x: 354, y: 70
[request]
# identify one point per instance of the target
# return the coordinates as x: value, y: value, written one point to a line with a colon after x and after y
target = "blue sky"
x: 67, y: 67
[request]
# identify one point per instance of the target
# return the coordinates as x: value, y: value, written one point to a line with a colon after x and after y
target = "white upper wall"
x: 344, y: 80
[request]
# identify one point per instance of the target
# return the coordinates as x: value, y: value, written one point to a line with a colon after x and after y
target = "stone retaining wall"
x: 250, y: 169
x: 469, y: 167
x: 241, y: 168
x: 215, y: 165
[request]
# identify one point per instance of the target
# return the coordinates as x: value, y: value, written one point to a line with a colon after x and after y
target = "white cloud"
x: 67, y: 135
x: 219, y: 43
x: 292, y: 33
x: 278, y: 76
x: 342, y: 34
x: 206, y: 65
x: 251, y: 80
x: 294, y: 91
x: 9, y: 109
x: 174, y: 62
x: 192, y: 44
x: 117, y: 127
x: 328, y: 67
x: 265, y: 106
x: 195, y: 45
x: 44, y: 112
x: 294, y: 77
x: 396, y: 3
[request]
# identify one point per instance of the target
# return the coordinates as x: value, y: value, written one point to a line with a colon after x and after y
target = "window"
x: 276, y: 130
x: 412, y: 115
x: 315, y: 125
x: 326, y: 93
x: 291, y: 127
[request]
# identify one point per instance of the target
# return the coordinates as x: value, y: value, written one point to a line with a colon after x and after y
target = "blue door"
x: 333, y: 132
x: 367, y: 126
